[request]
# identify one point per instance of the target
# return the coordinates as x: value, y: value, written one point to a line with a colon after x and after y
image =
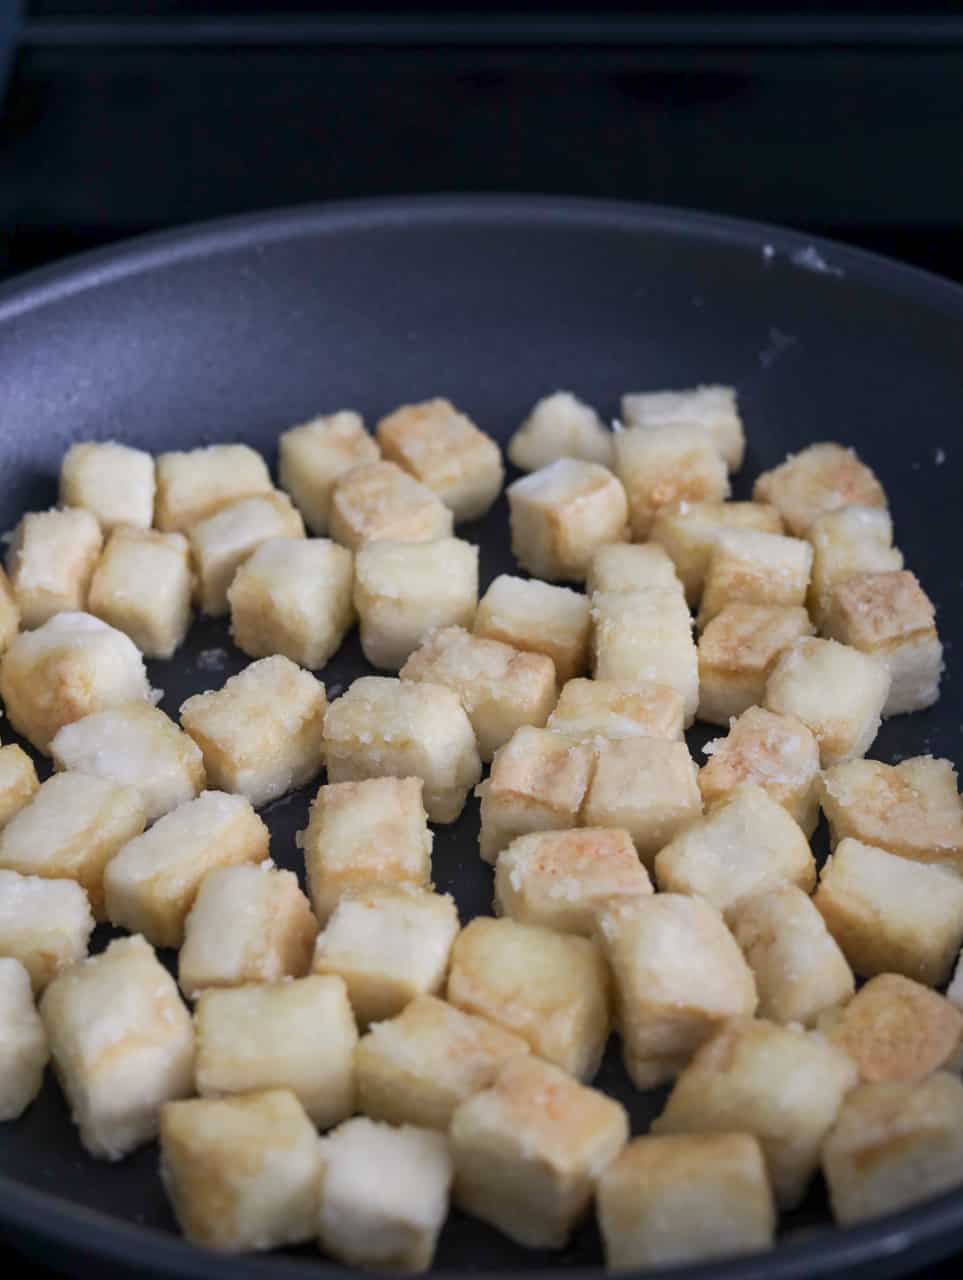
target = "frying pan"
x: 238, y: 329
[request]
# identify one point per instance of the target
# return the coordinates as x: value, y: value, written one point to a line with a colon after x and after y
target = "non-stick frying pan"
x: 237, y: 330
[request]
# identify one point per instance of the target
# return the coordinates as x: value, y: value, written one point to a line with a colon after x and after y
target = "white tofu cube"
x: 194, y: 484
x: 749, y: 567
x: 560, y: 426
x: 50, y: 562
x: 379, y: 500
x: 561, y: 514
x: 821, y: 478
x: 846, y: 542
x: 713, y: 408
x: 688, y: 532
x: 23, y: 1041
x: 221, y: 542
x: 18, y: 781
x: 662, y: 465
x: 45, y: 924
x: 737, y: 652
x: 606, y: 709
x: 142, y: 586
x: 112, y: 481
x: 631, y: 566
x: 646, y: 635
x: 9, y: 612
x: 539, y: 618
x: 312, y: 458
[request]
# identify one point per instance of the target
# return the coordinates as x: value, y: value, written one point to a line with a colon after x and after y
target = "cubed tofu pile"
x: 323, y: 1048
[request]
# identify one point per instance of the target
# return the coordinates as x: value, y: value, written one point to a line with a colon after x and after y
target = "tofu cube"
x: 121, y: 1043
x: 312, y: 458
x: 242, y: 1173
x: 821, y: 478
x: 606, y: 709
x: 379, y: 500
x: 663, y: 465
x: 50, y: 562
x: 9, y: 613
x: 713, y: 408
x: 538, y: 618
x: 142, y: 586
x: 261, y: 734
x: 549, y: 988
x: 151, y: 883
x: 23, y: 1041
x: 112, y: 481
x: 387, y: 728
x: 561, y: 514
x: 18, y: 781
x: 749, y: 567
x: 444, y: 450
x: 847, y: 542
x: 530, y: 1150
x: 631, y: 566
x: 221, y: 542
x: 646, y: 635
x: 45, y: 924
x: 688, y: 532
x: 737, y: 652
x: 194, y: 484
x: 560, y: 426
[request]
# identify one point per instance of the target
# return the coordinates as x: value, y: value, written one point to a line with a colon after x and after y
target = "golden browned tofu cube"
x: 194, y: 484
x: 221, y: 542
x: 379, y: 500
x: 820, y: 478
x: 782, y: 1084
x: 737, y: 652
x: 631, y: 566
x: 50, y: 562
x: 538, y: 618
x: 312, y: 458
x: 846, y: 542
x: 121, y: 1043
x: 646, y: 635
x: 561, y: 514
x: 608, y: 709
x: 142, y: 586
x: 444, y: 450
x: 112, y: 481
x: 560, y: 426
x: 18, y: 781
x: 663, y: 465
x: 749, y: 567
x: 549, y: 988
x: 9, y: 612
x: 688, y: 532
x: 713, y: 408
x: 45, y: 924
x: 242, y: 1173
x: 23, y: 1041
x: 529, y: 1151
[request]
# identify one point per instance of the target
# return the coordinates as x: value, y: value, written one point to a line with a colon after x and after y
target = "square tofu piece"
x: 560, y: 516
x: 631, y: 566
x: 660, y: 466
x: 712, y: 408
x: 384, y: 1195
x: 749, y: 567
x: 23, y: 1041
x: 221, y: 542
x: 737, y: 652
x: 18, y: 781
x: 9, y: 612
x: 560, y: 426
x: 891, y: 915
x: 688, y: 532
x: 293, y: 597
x: 142, y: 586
x: 379, y: 500
x: 685, y: 1198
x: 607, y: 709
x: 500, y: 687
x: 194, y: 484
x: 312, y: 458
x: 539, y: 618
x: 387, y: 728
x: 549, y: 988
x: 50, y: 562
x: 45, y: 924
x: 121, y: 1043
x: 417, y: 1068
x: 836, y: 691
x: 362, y: 834
x: 538, y: 782
x: 679, y: 976
x: 822, y: 478
x: 390, y: 944
x: 646, y: 635
x: 261, y: 734
x: 242, y: 1173
x: 151, y: 883
x: 529, y: 1151
x: 782, y: 1084
x: 444, y: 450
x: 297, y: 1035
x: 112, y: 481
x: 847, y: 542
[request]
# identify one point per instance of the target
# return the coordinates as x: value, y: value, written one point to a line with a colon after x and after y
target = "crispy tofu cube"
x: 23, y: 1041
x: 444, y: 450
x: 390, y: 943
x: 18, y: 781
x: 749, y: 567
x: 297, y: 1035
x: 530, y: 1150
x: 836, y: 691
x: 312, y: 458
x: 549, y: 988
x: 846, y: 542
x: 9, y: 613
x: 737, y: 652
x: 685, y: 1198
x: 50, y: 562
x: 712, y: 408
x: 418, y: 1067
x: 384, y: 1195
x: 194, y: 484
x: 821, y: 478
x: 378, y: 500
x: 646, y: 635
x: 121, y: 1043
x: 142, y: 586
x: 293, y: 597
x: 663, y: 465
x: 362, y: 834
x: 561, y: 514
x: 606, y: 709
x: 560, y: 426
x: 891, y: 915
x: 387, y: 728
x: 631, y: 566
x: 45, y: 924
x: 782, y: 1084
x: 242, y: 1173
x: 261, y: 734
x: 688, y: 532
x: 221, y: 542
x: 69, y: 668
x: 112, y: 481
x: 538, y: 618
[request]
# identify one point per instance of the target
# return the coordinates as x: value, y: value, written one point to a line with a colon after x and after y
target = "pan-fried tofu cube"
x: 538, y: 618
x: 777, y: 753
x: 23, y: 1041
x: 560, y: 426
x: 194, y: 484
x: 799, y: 969
x: 444, y: 450
x: 387, y: 728
x: 242, y: 1173
x: 782, y: 1084
x: 9, y: 612
x: 538, y: 782
x: 50, y: 562
x: 121, y: 1043
x: 549, y: 988
x: 749, y: 567
x: 18, y: 781
x: 846, y: 542
x: 69, y: 668
x: 418, y: 1067
x: 384, y: 1195
x: 891, y: 915
x: 836, y: 691
x: 220, y: 543
x: 737, y: 652
x: 379, y: 500
x: 821, y: 478
x: 561, y: 514
x: 895, y: 1144
x: 631, y: 566
x: 530, y: 1150
x: 713, y: 408
x: 646, y: 786
x: 646, y: 635
x: 362, y: 834
x: 390, y: 944
x: 688, y: 532
x: 685, y: 1198
x: 248, y: 923
x: 111, y: 480
x: 45, y: 924
x: 297, y: 1035
x: 607, y: 709
x: 261, y: 734
x: 679, y: 976
x: 151, y: 883
x: 500, y: 687
x: 660, y: 466
x: 312, y: 458
x: 142, y: 586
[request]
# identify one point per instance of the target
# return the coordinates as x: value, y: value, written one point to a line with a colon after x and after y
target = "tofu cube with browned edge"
x: 45, y: 924
x: 313, y: 456
x: 194, y: 484
x: 847, y: 542
x: 221, y: 542
x: 749, y: 567
x: 646, y: 635
x: 713, y: 408
x: 23, y: 1041
x: 560, y: 426
x: 18, y: 781
x: 663, y: 465
x: 379, y: 500
x: 593, y: 709
x: 631, y: 566
x: 50, y: 562
x: 688, y: 532
x: 737, y: 652
x: 820, y: 478
x: 142, y: 586
x: 561, y: 514
x: 538, y: 618
x: 112, y: 481
x: 9, y: 613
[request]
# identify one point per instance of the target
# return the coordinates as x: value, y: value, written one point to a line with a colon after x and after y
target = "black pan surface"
x: 236, y: 330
